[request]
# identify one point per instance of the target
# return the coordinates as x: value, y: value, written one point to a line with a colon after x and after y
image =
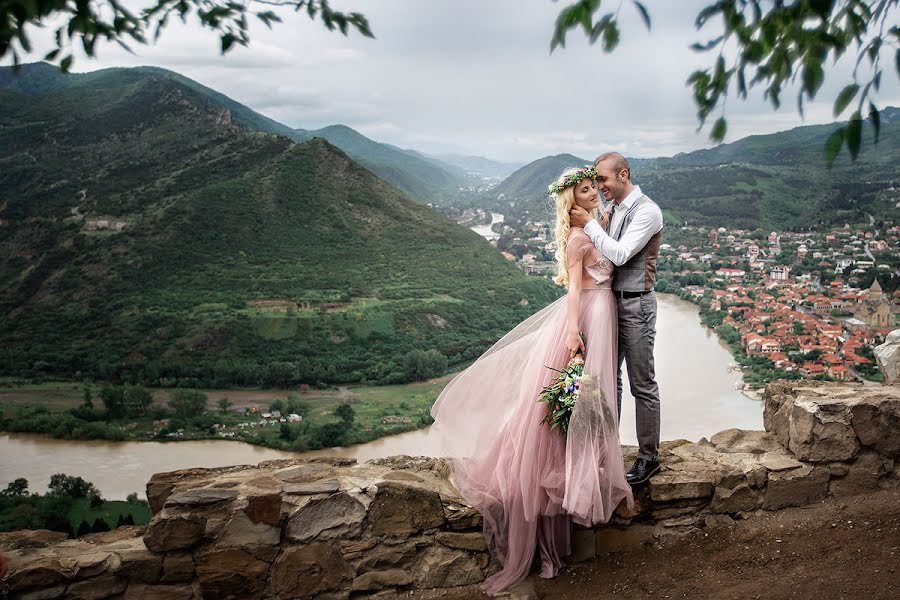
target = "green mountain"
x: 775, y: 181
x: 424, y: 178
x: 781, y: 180
x: 530, y: 182
x: 147, y: 234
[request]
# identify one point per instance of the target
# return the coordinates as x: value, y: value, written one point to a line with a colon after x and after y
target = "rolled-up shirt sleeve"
x: 647, y: 222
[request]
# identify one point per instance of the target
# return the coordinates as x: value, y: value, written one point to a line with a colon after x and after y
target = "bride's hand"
x: 574, y: 343
x: 604, y: 217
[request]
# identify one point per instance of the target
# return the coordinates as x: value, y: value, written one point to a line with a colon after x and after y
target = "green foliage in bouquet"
x: 562, y: 393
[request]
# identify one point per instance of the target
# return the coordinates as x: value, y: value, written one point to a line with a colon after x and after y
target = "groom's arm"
x: 646, y: 223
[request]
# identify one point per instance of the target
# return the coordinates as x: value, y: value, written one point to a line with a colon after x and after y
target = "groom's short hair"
x: 619, y: 162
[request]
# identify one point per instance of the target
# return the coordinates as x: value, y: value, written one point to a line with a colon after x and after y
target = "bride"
x: 530, y: 483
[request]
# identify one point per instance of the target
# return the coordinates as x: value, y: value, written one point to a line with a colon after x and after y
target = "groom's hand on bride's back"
x: 578, y: 217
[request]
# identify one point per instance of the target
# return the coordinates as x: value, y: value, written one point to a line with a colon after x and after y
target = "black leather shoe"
x: 641, y: 471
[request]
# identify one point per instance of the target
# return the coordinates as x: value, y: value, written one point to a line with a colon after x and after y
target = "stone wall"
x: 331, y: 528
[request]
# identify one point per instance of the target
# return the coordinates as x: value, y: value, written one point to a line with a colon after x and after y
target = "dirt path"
x: 846, y: 549
x: 840, y: 549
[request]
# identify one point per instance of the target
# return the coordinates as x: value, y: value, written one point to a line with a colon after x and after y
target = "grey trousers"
x: 637, y: 333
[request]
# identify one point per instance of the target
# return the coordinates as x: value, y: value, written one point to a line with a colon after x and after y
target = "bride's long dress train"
x: 528, y: 482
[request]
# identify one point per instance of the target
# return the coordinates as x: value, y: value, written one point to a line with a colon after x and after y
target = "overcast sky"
x: 477, y: 77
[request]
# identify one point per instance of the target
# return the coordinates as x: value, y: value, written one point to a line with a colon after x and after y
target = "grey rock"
x: 681, y: 485
x: 385, y: 556
x: 338, y: 515
x: 377, y: 580
x: 460, y: 516
x: 97, y: 588
x: 797, y: 487
x: 876, y: 420
x: 302, y: 571
x: 241, y: 531
x: 168, y: 532
x: 316, y: 487
x: 779, y: 461
x: 715, y: 521
x: 740, y: 440
x: 231, y: 573
x: 401, y: 509
x: 439, y: 566
x: 464, y: 541
x: 137, y: 563
x: 887, y: 355
x: 735, y: 500
x: 178, y: 566
x: 820, y: 434
x: 140, y: 591
x: 862, y: 476
x: 200, y: 497
x: 838, y: 469
x: 702, y: 452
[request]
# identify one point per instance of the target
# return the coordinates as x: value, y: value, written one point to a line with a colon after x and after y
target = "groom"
x: 632, y: 244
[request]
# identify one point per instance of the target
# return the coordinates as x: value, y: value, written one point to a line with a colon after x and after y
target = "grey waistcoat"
x: 639, y: 273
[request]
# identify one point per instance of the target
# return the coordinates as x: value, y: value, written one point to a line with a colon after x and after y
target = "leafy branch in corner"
x: 774, y: 43
x: 87, y: 21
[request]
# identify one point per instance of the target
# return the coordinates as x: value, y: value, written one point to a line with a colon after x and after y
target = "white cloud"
x: 477, y: 77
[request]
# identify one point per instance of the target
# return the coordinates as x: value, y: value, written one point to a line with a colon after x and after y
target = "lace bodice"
x: 596, y: 269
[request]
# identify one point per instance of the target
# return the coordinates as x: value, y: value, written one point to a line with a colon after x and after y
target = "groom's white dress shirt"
x: 647, y: 222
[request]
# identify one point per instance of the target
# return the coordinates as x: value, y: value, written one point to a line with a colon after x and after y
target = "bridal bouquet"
x: 562, y: 393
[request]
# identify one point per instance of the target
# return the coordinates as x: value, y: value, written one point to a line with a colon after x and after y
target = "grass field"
x: 370, y: 405
x: 109, y: 511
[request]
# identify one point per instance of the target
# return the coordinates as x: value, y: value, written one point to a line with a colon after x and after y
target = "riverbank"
x: 756, y: 372
x: 256, y: 416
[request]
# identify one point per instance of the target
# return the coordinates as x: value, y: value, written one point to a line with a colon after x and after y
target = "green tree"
x: 774, y: 44
x: 87, y: 399
x: 287, y: 433
x: 113, y: 398
x: 73, y: 487
x: 282, y: 374
x: 137, y: 400
x: 17, y: 487
x: 187, y: 404
x: 423, y: 364
x: 224, y: 405
x: 83, y: 529
x: 345, y: 413
x: 90, y: 20
x: 277, y: 405
x: 99, y: 525
x: 302, y: 409
x: 329, y: 435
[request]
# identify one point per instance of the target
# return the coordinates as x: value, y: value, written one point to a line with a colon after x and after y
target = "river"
x: 697, y: 395
x: 486, y: 231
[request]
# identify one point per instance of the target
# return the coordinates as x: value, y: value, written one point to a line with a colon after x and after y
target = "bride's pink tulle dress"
x: 528, y: 482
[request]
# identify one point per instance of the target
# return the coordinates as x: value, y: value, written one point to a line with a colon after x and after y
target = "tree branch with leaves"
x: 772, y: 44
x: 87, y: 21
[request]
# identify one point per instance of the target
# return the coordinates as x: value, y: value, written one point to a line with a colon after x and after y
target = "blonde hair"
x: 565, y: 200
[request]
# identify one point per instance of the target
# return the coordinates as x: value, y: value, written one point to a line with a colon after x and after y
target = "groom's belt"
x: 630, y: 294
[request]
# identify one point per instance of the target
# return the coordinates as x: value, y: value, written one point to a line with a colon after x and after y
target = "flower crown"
x: 559, y: 185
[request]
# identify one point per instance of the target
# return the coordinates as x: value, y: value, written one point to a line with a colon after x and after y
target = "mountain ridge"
x: 145, y: 233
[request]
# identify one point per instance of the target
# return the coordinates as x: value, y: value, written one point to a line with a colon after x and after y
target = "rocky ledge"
x: 332, y: 528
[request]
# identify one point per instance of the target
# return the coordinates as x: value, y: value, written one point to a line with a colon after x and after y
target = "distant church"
x: 875, y: 309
